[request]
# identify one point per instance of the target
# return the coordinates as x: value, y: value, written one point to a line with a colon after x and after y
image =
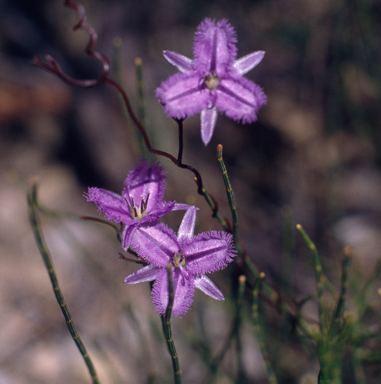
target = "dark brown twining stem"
x: 181, y: 140
x: 50, y: 64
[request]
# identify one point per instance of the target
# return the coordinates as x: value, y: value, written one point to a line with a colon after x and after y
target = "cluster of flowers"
x: 210, y: 83
x: 139, y: 208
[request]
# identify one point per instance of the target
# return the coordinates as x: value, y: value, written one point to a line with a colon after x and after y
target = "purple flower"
x: 191, y: 257
x: 213, y: 80
x: 141, y: 202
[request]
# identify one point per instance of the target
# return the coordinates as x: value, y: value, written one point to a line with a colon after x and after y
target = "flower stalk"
x: 166, y: 320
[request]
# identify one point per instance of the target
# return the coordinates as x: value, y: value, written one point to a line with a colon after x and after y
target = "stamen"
x: 131, y: 209
x: 143, y: 204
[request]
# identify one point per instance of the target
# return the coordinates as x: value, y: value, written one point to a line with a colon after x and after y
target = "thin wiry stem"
x: 234, y: 327
x: 322, y: 343
x: 166, y: 320
x: 318, y: 273
x: 98, y: 220
x: 35, y: 222
x: 52, y: 66
x: 258, y: 329
x: 181, y: 140
x: 230, y: 194
x: 344, y: 287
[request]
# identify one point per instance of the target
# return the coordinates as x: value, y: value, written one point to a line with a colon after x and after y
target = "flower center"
x: 178, y: 260
x: 137, y: 212
x: 212, y: 81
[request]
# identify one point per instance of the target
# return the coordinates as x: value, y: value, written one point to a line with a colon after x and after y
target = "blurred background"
x: 313, y: 158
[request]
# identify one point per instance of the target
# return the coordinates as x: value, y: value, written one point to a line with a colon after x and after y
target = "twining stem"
x: 35, y: 222
x: 257, y: 327
x: 166, y: 321
x: 181, y: 140
x: 142, y: 102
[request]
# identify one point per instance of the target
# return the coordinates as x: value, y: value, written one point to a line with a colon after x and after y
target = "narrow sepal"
x: 248, y: 62
x: 147, y: 273
x: 207, y: 286
x: 179, y: 207
x: 208, y: 123
x: 183, y: 63
x: 187, y: 225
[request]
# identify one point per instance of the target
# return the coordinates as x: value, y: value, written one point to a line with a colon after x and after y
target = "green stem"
x: 267, y: 288
x: 318, y: 274
x: 323, y: 348
x: 216, y: 213
x: 234, y: 327
x: 344, y: 287
x: 230, y: 194
x: 166, y: 320
x: 258, y: 330
x: 35, y: 222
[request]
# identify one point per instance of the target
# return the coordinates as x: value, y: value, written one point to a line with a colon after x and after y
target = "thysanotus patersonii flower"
x: 191, y: 257
x: 141, y: 202
x: 213, y: 80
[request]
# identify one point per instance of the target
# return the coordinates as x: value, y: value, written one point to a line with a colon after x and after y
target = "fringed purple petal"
x: 248, y: 62
x: 208, y: 252
x: 214, y: 47
x: 207, y: 286
x: 183, y: 63
x: 182, y: 95
x: 186, y: 229
x: 147, y: 273
x: 183, y: 290
x: 113, y: 205
x: 240, y: 99
x: 145, y: 180
x: 208, y: 122
x: 128, y: 233
x: 156, y: 244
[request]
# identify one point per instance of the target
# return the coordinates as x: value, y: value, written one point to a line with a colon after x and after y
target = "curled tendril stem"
x: 49, y: 64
